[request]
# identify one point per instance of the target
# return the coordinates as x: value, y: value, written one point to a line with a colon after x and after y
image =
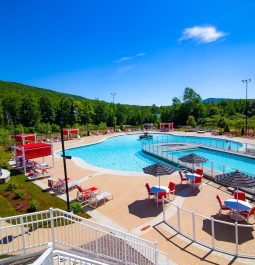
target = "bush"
x: 33, y: 205
x: 43, y: 128
x: 102, y: 126
x: 11, y: 187
x: 5, y: 138
x: 19, y: 194
x: 76, y: 207
x: 55, y: 127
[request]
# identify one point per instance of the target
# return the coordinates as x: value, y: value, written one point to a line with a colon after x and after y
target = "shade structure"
x: 158, y: 170
x: 193, y: 159
x: 68, y: 132
x: 34, y: 150
x: 236, y: 179
x: 22, y: 138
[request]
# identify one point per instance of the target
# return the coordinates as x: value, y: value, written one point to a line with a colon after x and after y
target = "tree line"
x: 27, y: 109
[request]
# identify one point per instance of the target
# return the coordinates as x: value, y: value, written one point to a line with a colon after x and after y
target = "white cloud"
x: 125, y: 69
x: 129, y: 58
x: 203, y: 34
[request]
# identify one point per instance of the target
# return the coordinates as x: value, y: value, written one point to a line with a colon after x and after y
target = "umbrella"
x: 158, y: 170
x: 236, y: 179
x: 193, y: 159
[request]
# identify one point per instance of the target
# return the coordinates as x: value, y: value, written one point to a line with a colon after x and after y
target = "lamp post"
x: 71, y: 112
x: 246, y: 81
x: 113, y: 94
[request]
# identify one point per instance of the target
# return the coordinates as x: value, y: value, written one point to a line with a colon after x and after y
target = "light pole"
x: 71, y: 112
x: 113, y: 94
x: 246, y: 81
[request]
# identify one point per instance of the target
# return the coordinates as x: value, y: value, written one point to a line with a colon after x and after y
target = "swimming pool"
x: 124, y: 153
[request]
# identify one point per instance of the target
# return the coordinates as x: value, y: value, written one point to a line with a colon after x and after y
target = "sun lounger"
x: 38, y: 176
x: 96, y: 198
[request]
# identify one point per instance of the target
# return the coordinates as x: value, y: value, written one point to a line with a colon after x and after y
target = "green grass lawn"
x: 8, y: 204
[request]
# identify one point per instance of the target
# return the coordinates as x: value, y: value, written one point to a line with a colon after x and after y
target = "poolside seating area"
x: 239, y: 209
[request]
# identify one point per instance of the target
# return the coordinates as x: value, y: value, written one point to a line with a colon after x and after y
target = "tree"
x: 10, y: 107
x: 47, y: 110
x: 29, y: 112
x: 5, y: 138
x: 191, y: 121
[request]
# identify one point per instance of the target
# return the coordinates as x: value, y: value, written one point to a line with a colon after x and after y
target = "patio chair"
x: 171, y: 187
x: 222, y: 206
x: 55, y: 185
x: 182, y: 177
x: 199, y: 171
x: 83, y: 195
x: 198, y: 182
x: 159, y: 196
x: 94, y: 198
x: 70, y: 184
x: 149, y: 190
x: 240, y: 195
x: 248, y: 214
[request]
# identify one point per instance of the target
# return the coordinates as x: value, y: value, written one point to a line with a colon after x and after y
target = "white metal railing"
x: 224, y: 144
x: 52, y: 256
x: 210, y: 168
x: 22, y: 234
x: 210, y: 232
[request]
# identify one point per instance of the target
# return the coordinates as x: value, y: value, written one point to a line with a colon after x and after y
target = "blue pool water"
x: 123, y: 153
x: 231, y: 161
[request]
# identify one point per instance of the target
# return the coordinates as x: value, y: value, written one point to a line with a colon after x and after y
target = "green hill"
x: 12, y: 88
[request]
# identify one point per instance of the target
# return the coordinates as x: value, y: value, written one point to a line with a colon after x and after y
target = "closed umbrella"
x: 158, y: 170
x: 193, y: 159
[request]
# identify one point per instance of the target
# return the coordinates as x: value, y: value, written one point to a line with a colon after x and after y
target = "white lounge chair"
x: 96, y: 198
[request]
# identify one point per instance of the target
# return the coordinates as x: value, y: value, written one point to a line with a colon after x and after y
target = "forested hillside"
x: 27, y: 108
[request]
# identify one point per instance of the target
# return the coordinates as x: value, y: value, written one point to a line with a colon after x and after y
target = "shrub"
x: 5, y: 138
x: 55, y: 127
x: 44, y: 128
x: 76, y: 207
x: 11, y: 187
x: 20, y: 194
x: 33, y: 205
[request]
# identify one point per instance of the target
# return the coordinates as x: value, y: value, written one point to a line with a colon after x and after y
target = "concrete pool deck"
x: 131, y: 211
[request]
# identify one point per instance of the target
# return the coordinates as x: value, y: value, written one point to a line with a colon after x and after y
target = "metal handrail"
x: 192, y: 236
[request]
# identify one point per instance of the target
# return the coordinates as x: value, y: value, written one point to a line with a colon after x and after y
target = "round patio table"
x: 157, y: 189
x: 237, y: 206
x: 191, y: 176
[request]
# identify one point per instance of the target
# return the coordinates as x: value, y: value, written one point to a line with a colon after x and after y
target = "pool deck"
x: 130, y: 210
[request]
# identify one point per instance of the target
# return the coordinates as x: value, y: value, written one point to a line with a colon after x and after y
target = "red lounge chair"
x: 182, y: 177
x: 83, y: 195
x: 171, y: 187
x: 222, y: 206
x: 240, y: 195
x: 198, y: 182
x: 149, y: 190
x: 199, y: 171
x: 159, y: 196
x: 247, y: 214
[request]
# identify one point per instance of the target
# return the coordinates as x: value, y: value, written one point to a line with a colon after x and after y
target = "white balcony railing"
x: 28, y: 233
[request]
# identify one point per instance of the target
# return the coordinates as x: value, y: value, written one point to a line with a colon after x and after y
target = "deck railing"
x: 32, y: 232
x: 210, y: 168
x: 213, y: 233
x: 55, y: 256
x: 222, y: 144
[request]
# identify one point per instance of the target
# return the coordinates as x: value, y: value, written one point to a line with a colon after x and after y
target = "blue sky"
x: 146, y: 51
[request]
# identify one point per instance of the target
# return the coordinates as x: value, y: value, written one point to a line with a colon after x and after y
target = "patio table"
x: 157, y: 189
x: 237, y: 206
x: 191, y: 176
